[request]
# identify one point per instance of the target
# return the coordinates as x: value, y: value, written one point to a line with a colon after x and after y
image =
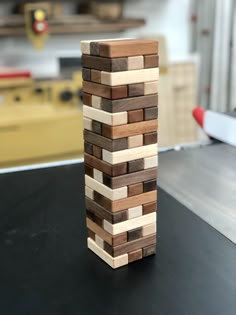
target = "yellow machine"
x: 39, y: 120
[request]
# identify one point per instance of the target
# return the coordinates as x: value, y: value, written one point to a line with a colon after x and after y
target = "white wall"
x: 168, y: 17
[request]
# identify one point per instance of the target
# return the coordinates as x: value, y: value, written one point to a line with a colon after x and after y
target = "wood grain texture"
x: 119, y: 64
x: 104, y: 117
x: 105, y: 91
x: 93, y: 217
x: 115, y: 106
x: 150, y: 113
x: 96, y: 101
x: 86, y: 74
x: 150, y: 87
x: 135, y: 189
x: 150, y: 138
x: 96, y: 126
x: 99, y: 231
x: 116, y: 132
x: 112, y: 194
x: 136, y: 89
x: 145, y: 242
x: 129, y: 224
x: 128, y: 48
x: 135, y: 212
x: 135, y: 141
x: 89, y: 192
x: 151, y: 61
x: 85, y: 44
x: 135, y: 255
x: 108, y: 144
x: 88, y: 148
x: 87, y: 123
x: 126, y: 203
x: 149, y: 250
x: 87, y: 99
x: 88, y: 170
x: 135, y: 177
x: 149, y: 229
x: 96, y: 63
x: 99, y: 241
x: 119, y: 239
x: 150, y: 185
x: 129, y: 77
x: 135, y: 166
x: 95, y: 76
x: 149, y: 207
x: 111, y: 261
x: 135, y: 234
x: 129, y: 154
x: 98, y: 210
x: 91, y: 235
x: 135, y: 63
x: 98, y: 175
x: 97, y: 152
x: 109, y: 169
x: 151, y: 161
x: 135, y: 115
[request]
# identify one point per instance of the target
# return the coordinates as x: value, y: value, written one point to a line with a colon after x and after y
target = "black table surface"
x: 45, y: 267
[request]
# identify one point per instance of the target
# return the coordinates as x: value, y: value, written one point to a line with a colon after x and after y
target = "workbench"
x: 46, y: 269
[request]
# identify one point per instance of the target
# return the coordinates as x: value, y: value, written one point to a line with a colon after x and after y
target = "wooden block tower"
x: 120, y: 79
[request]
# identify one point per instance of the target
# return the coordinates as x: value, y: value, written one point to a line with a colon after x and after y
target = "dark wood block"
x: 132, y: 178
x: 86, y: 74
x: 150, y: 185
x: 110, y: 92
x: 91, y: 234
x: 94, y: 48
x: 105, y: 143
x: 135, y: 165
x: 134, y: 245
x: 87, y: 99
x: 132, y: 129
x: 136, y: 89
x: 97, y: 152
x: 134, y: 234
x: 139, y: 102
x: 150, y: 138
x: 119, y: 239
x: 107, y: 168
x: 96, y: 76
x: 108, y: 248
x: 88, y: 170
x: 97, y: 127
x: 98, y: 210
x: 149, y: 207
x: 96, y: 63
x: 119, y: 64
x: 150, y: 113
x: 135, y: 255
x: 103, y: 201
x: 120, y: 216
x: 88, y: 148
x: 135, y: 115
x: 135, y: 189
x: 92, y: 216
x: 149, y: 250
x: 125, y: 48
x: 151, y: 61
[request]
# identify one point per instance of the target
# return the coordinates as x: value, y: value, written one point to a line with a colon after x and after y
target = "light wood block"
x: 98, y: 175
x: 99, y: 241
x: 135, y: 212
x: 129, y: 224
x: 87, y: 123
x: 129, y: 154
x: 129, y: 77
x: 135, y: 141
x: 105, y: 117
x: 96, y: 101
x: 89, y: 192
x: 151, y: 87
x: 135, y: 63
x: 151, y: 161
x: 112, y: 194
x: 114, y: 262
x: 149, y: 229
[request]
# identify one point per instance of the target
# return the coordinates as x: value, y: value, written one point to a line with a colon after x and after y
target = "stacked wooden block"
x: 120, y: 143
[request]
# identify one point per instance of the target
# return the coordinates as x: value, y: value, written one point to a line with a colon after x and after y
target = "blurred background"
x: 40, y: 69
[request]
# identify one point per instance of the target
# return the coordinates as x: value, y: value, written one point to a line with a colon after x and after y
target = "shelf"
x: 73, y: 24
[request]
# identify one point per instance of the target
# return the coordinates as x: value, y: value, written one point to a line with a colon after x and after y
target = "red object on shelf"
x: 40, y: 27
x: 13, y: 74
x: 198, y: 114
